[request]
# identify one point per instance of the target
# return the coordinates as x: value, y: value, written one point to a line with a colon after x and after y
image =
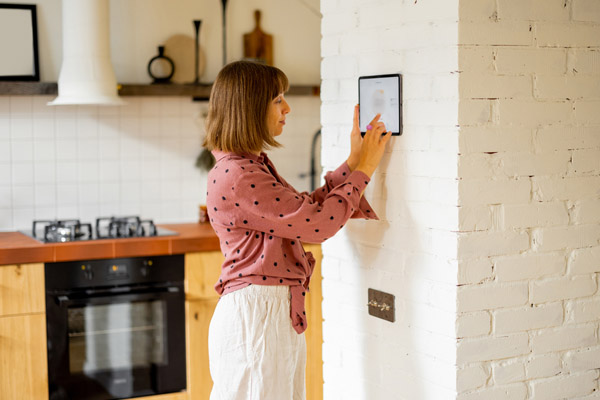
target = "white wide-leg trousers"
x: 254, y: 352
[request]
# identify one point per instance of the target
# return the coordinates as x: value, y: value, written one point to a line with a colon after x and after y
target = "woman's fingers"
x: 374, y: 120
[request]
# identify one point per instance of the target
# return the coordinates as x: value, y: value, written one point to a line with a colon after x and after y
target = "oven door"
x: 116, y: 343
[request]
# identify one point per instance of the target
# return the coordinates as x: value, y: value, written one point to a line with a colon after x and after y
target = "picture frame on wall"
x: 18, y: 43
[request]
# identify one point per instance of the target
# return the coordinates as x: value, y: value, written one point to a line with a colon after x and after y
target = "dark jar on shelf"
x: 161, y: 68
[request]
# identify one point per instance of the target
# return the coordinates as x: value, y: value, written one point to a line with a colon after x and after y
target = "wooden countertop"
x: 18, y: 248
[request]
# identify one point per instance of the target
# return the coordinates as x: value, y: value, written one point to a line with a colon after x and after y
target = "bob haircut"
x: 238, y: 105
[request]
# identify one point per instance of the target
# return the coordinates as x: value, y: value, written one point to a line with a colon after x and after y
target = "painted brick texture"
x: 529, y: 186
x: 490, y: 203
x: 411, y: 251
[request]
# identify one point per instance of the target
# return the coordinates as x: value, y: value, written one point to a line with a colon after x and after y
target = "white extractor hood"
x: 86, y: 74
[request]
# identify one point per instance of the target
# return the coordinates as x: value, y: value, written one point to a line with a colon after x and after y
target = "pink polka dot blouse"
x: 261, y: 222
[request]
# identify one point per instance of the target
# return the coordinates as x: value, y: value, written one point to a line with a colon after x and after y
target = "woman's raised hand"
x: 373, y: 145
x: 355, y: 142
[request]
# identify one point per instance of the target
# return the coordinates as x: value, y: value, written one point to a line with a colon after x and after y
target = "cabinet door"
x: 314, y: 332
x: 22, y: 289
x: 23, y: 366
x: 202, y: 271
x: 198, y: 316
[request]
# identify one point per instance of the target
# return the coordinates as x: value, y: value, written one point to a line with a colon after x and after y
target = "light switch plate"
x: 382, y: 305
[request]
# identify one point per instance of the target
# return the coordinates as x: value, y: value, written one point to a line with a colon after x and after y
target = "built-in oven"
x: 116, y: 328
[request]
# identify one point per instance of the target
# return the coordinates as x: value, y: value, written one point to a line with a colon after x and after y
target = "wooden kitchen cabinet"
x: 22, y: 289
x: 23, y: 366
x: 198, y: 315
x: 314, y: 331
x: 202, y: 270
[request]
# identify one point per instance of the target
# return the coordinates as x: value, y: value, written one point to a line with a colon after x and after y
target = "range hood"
x: 86, y: 74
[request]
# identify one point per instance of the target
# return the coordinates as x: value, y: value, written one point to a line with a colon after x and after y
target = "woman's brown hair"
x: 237, y: 109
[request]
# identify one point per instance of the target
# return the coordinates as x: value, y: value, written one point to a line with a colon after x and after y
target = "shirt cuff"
x: 339, y: 176
x: 360, y: 180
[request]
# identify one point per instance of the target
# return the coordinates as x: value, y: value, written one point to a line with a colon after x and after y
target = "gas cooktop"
x: 73, y: 230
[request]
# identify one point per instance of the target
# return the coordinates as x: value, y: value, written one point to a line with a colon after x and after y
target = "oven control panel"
x: 114, y: 272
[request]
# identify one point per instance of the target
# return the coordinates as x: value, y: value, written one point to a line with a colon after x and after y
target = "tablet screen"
x: 380, y: 94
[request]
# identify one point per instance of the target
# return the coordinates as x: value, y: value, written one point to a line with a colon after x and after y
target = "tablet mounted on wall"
x: 381, y: 94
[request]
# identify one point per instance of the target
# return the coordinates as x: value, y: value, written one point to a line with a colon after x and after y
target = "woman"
x: 257, y: 348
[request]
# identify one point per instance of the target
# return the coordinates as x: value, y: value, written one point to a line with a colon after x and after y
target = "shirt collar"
x: 250, y: 156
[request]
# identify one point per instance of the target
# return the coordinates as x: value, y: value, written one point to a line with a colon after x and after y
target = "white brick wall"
x: 503, y: 213
x: 529, y: 247
x: 411, y: 251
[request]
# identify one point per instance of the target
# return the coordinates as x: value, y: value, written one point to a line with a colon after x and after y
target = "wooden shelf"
x: 198, y: 92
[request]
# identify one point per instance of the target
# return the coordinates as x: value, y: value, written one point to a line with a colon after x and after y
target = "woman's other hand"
x: 356, y: 141
x: 373, y: 146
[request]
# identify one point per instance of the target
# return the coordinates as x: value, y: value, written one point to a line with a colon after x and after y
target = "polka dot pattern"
x: 261, y: 220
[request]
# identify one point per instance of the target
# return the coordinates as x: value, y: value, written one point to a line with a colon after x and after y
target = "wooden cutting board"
x: 258, y: 44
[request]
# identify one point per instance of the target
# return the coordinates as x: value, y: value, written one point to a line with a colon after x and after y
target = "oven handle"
x: 113, y: 297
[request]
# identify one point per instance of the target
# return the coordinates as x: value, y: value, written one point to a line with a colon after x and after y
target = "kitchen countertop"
x: 18, y: 248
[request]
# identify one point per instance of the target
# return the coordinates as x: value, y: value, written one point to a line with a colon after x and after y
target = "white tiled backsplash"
x: 139, y: 159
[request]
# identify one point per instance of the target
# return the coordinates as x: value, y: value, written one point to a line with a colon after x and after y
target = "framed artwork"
x: 18, y: 43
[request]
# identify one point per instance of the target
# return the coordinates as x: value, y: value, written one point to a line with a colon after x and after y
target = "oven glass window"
x: 117, y: 336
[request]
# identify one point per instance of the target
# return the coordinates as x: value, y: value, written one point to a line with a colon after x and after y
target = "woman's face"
x: 276, y: 115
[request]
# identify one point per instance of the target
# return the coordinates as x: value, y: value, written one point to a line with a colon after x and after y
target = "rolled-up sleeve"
x: 258, y: 201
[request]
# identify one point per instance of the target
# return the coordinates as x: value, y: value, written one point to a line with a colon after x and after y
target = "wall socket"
x: 382, y: 305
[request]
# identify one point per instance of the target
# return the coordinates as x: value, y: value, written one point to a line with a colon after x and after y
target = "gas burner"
x: 63, y: 230
x: 58, y: 231
x: 123, y: 227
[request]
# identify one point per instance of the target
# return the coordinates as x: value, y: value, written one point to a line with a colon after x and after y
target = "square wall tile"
x: 110, y: 171
x: 149, y: 106
x: 45, y: 195
x: 66, y: 149
x: 88, y: 149
x: 4, y: 127
x: 67, y: 211
x: 47, y: 213
x: 66, y: 172
x: 109, y: 149
x: 67, y: 194
x: 44, y: 150
x: 109, y: 193
x: 6, y: 219
x: 23, y: 196
x: 87, y: 126
x: 22, y: 173
x: 88, y: 171
x: 88, y: 213
x: 23, y: 218
x: 44, y: 172
x: 4, y: 150
x: 108, y: 127
x: 5, y: 173
x: 43, y: 128
x: 65, y: 127
x: 21, y: 150
x: 5, y: 196
x: 109, y: 210
x: 130, y: 192
x: 21, y: 128
x: 88, y: 193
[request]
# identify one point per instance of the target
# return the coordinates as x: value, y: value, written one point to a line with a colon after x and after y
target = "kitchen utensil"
x: 258, y: 45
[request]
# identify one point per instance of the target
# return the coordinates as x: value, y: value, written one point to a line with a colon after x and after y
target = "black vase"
x: 161, y: 62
